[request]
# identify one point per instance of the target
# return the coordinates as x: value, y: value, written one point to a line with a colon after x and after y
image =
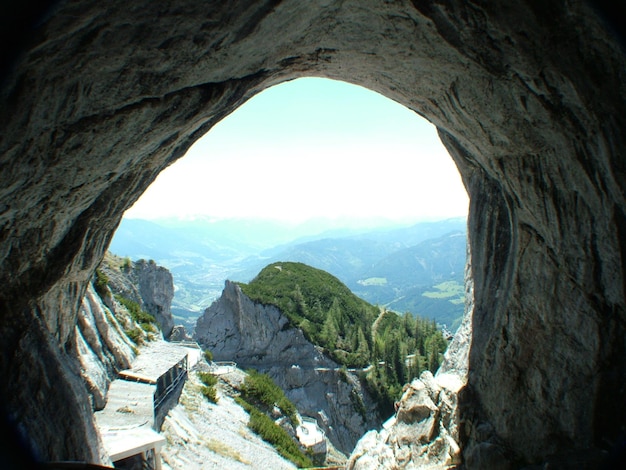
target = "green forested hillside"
x: 390, y: 349
x: 328, y: 313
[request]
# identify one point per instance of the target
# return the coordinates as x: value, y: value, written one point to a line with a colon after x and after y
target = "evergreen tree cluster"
x: 351, y: 331
x: 404, y: 347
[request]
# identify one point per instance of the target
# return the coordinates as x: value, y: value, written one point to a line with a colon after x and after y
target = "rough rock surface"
x: 202, y: 435
x: 103, y: 348
x: 179, y: 333
x: 421, y: 434
x: 234, y: 328
x: 146, y: 283
x: 529, y: 97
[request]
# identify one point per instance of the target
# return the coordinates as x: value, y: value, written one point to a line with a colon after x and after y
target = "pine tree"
x: 330, y: 332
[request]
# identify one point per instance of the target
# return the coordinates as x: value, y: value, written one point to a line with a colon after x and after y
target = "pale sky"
x: 312, y: 148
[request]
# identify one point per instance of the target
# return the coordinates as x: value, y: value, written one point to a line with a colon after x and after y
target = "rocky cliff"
x: 102, y: 342
x: 103, y: 347
x: 234, y: 328
x: 529, y: 97
x: 151, y: 286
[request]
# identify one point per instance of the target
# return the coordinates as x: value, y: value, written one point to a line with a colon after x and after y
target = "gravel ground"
x: 203, y: 435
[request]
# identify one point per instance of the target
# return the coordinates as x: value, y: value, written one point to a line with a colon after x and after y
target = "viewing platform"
x: 311, y: 435
x: 222, y: 367
x: 139, y: 399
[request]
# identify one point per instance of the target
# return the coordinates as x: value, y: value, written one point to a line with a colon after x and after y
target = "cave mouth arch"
x: 528, y: 100
x: 318, y: 155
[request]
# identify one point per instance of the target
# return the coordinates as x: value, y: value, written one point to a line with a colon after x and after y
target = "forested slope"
x: 389, y: 348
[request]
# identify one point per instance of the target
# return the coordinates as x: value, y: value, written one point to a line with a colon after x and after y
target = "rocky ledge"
x: 144, y: 282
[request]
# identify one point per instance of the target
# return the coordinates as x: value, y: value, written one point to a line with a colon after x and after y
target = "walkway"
x: 128, y: 421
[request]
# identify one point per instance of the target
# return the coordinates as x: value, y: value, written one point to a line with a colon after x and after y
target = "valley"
x: 415, y: 268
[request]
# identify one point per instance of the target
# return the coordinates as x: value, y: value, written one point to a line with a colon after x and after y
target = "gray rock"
x: 179, y: 334
x: 424, y: 431
x: 156, y: 288
x: 103, y: 348
x: 97, y: 98
x: 146, y: 283
x: 234, y: 328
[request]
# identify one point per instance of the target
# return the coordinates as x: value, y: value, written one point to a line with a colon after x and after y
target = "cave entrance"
x: 303, y: 159
x: 528, y: 100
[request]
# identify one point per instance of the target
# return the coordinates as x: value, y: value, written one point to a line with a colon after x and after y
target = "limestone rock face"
x: 103, y: 348
x: 179, y: 334
x: 148, y: 284
x: 331, y: 396
x: 234, y: 328
x: 421, y: 434
x: 426, y: 429
x: 96, y: 98
x: 156, y: 288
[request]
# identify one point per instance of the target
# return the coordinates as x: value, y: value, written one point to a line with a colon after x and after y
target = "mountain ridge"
x: 201, y: 265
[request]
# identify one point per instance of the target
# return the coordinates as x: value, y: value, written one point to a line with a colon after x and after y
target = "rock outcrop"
x: 234, y: 328
x: 200, y: 434
x: 146, y: 283
x: 97, y: 98
x: 103, y: 348
x: 421, y: 434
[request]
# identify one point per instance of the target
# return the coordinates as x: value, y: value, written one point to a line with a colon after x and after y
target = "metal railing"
x: 187, y: 344
x: 222, y: 367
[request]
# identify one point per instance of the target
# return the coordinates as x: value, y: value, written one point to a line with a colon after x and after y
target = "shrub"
x: 136, y: 313
x: 343, y: 374
x: 210, y: 393
x: 148, y: 327
x: 244, y: 404
x: 269, y: 431
x: 207, y: 378
x: 357, y: 404
x: 208, y: 355
x: 208, y: 389
x: 101, y: 283
x: 260, y: 388
x: 126, y: 264
x: 135, y: 335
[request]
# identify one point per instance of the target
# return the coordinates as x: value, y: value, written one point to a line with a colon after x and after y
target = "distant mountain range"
x: 417, y: 268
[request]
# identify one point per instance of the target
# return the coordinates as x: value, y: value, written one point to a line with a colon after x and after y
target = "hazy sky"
x: 309, y: 148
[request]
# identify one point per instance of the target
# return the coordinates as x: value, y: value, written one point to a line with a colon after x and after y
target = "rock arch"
x: 528, y: 97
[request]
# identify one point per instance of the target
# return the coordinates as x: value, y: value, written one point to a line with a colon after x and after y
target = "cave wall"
x: 98, y: 97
